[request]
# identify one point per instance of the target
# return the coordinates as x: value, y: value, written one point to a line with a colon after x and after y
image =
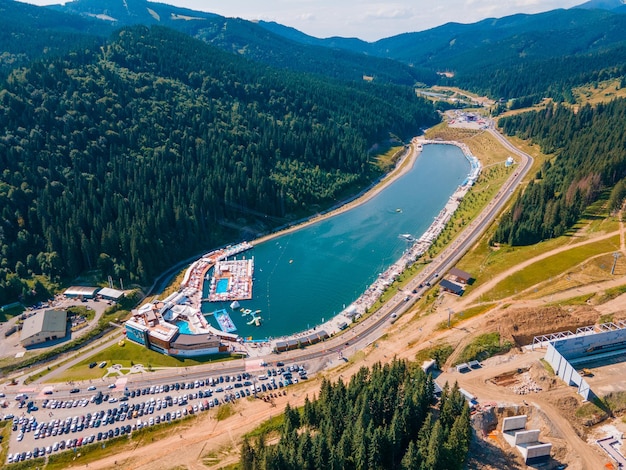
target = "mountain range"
x: 597, y: 26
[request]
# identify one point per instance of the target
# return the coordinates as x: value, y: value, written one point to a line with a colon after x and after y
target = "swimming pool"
x: 183, y: 327
x: 222, y: 286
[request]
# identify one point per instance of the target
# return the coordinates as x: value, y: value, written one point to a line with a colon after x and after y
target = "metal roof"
x: 53, y: 321
x: 111, y: 293
x: 451, y: 286
x: 460, y: 274
x: 81, y: 290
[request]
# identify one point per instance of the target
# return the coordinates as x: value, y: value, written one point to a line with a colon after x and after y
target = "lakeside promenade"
x: 410, y: 256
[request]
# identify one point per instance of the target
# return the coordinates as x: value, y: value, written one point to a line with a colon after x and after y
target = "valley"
x: 455, y: 323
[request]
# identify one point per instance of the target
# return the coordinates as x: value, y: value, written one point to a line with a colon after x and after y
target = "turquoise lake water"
x: 306, y: 277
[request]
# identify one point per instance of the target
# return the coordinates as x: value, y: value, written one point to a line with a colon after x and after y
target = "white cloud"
x: 389, y: 13
x: 306, y: 17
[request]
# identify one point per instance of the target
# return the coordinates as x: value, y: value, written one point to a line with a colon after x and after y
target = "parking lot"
x: 46, y: 424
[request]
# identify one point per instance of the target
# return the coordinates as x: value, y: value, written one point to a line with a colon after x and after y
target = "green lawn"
x: 458, y: 317
x: 550, y: 267
x: 127, y: 355
x: 483, y: 347
x: 484, y: 261
x: 7, y: 314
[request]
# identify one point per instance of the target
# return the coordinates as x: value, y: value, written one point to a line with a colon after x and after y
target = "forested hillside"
x: 381, y: 419
x: 590, y: 155
x: 523, y: 57
x: 257, y: 43
x: 133, y: 156
x: 28, y: 32
x: 249, y: 39
x: 519, y: 57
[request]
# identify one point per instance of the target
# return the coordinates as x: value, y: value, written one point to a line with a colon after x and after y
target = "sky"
x: 369, y: 20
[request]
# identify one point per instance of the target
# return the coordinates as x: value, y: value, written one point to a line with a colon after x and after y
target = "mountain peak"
x: 129, y: 12
x: 602, y: 4
x: 111, y: 10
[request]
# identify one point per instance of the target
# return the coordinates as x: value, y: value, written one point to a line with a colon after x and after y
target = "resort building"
x: 196, y: 345
x: 44, y: 326
x: 295, y: 343
x: 175, y: 329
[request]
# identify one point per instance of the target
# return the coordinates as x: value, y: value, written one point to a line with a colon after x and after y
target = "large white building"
x: 44, y: 326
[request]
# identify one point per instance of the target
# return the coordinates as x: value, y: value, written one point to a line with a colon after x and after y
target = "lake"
x: 307, y: 276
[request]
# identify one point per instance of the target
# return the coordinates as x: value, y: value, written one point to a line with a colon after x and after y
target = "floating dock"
x: 197, y: 272
x: 224, y: 321
x: 232, y: 280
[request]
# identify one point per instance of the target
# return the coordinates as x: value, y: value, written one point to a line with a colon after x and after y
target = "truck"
x: 10, y: 331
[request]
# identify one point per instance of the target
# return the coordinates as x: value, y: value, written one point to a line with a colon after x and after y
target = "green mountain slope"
x: 512, y: 38
x: 602, y: 4
x: 520, y: 56
x: 131, y: 12
x: 28, y: 32
x: 589, y: 157
x: 250, y: 40
x: 153, y: 148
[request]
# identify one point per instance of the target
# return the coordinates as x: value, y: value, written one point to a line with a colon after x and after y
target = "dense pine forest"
x: 382, y: 419
x: 589, y: 148
x: 131, y: 156
x: 28, y: 32
x: 528, y: 82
